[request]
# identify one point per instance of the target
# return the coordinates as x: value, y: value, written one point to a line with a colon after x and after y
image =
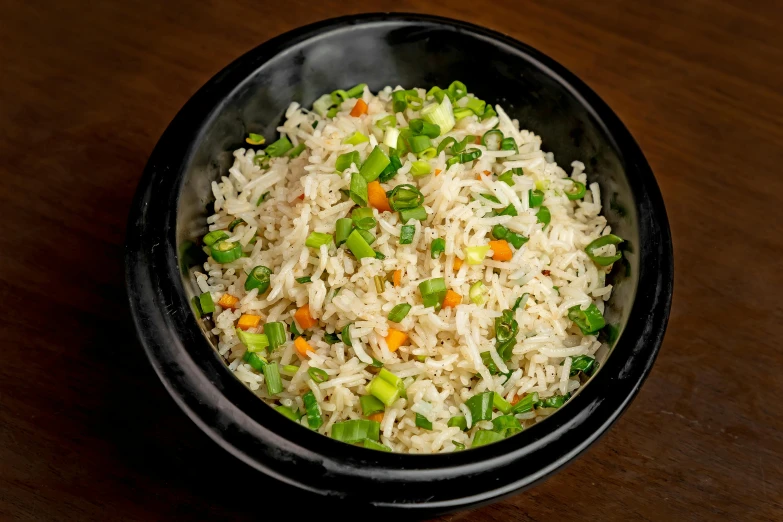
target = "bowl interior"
x: 251, y: 95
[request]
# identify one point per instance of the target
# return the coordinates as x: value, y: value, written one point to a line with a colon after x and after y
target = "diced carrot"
x: 359, y: 109
x: 501, y: 250
x: 377, y: 417
x: 437, y: 171
x: 395, y: 339
x: 300, y: 196
x: 457, y: 264
x: 248, y: 321
x: 397, y: 277
x: 515, y: 399
x: 302, y: 346
x: 452, y: 299
x: 228, y: 301
x: 377, y: 197
x: 304, y: 319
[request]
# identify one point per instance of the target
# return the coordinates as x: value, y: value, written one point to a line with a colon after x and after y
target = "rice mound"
x: 441, y: 364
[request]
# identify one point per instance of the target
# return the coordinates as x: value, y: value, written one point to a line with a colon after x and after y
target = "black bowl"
x: 251, y: 95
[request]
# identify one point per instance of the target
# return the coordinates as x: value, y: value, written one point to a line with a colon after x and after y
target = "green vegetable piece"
x: 399, y: 312
x: 406, y: 234
x: 590, y: 320
x: 278, y: 148
x: 225, y: 251
x: 480, y: 406
x: 346, y: 160
x: 458, y: 421
x: 543, y: 215
x: 609, y: 239
x: 370, y: 404
x: 437, y: 247
x: 433, y: 292
x: 358, y: 246
x: 484, y: 437
x: 314, y: 419
x: 422, y: 422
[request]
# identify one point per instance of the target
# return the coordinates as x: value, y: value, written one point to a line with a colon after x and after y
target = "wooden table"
x: 88, y: 433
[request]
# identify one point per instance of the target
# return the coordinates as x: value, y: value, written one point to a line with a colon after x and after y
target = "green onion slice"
x: 499, y: 232
x: 609, y: 239
x: 433, y: 292
x: 509, y: 144
x: 262, y: 198
x: 525, y: 404
x: 346, y: 335
x: 317, y: 374
x: 356, y: 430
x: 437, y: 247
x: 543, y: 216
x: 254, y: 360
x: 304, y: 280
x: 421, y: 168
x: 406, y: 234
x: 507, y: 178
x: 480, y: 406
x: 255, y: 342
x: 331, y: 338
x: 287, y: 412
x: 213, y: 237
x: 376, y: 162
x: 474, y: 255
x: 234, y: 224
x: 577, y: 190
x: 484, y: 437
x: 478, y: 293
x: 322, y: 105
x: 404, y: 197
x: 342, y: 230
x: 582, y: 363
x: 314, y: 419
x: 279, y: 147
x: 422, y: 422
x: 506, y: 330
x: 346, y: 160
x: 358, y: 191
x: 458, y: 421
x: 386, y: 122
x: 590, y: 320
x: 440, y: 115
x: 356, y: 138
x: 318, y: 239
x: 492, y: 139
x: 274, y: 384
x: 391, y: 169
x: 536, y: 198
x: 506, y: 425
x: 417, y: 213
x: 424, y: 128
x: 363, y: 218
x: 370, y: 405
x: 225, y: 251
x: 205, y: 303
x: 275, y: 331
x: 399, y: 312
x: 447, y: 142
x: 371, y: 444
x: 358, y: 246
x: 296, y: 151
x: 419, y: 143
x: 553, y: 402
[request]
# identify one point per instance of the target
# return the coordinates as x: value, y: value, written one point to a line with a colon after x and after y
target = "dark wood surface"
x: 87, y: 432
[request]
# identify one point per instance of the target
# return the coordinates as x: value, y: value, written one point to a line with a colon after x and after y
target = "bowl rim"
x: 260, y: 437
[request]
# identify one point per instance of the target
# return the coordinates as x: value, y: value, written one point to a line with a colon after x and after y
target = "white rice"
x: 452, y: 339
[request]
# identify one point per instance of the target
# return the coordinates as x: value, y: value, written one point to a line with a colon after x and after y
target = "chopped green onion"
x: 582, y: 363
x: 507, y: 178
x: 457, y: 90
x: 205, y: 303
x: 404, y: 197
x: 508, y: 211
x: 322, y: 105
x: 213, y: 237
x: 492, y: 139
x: 609, y: 239
x: 553, y: 402
x: 525, y: 404
x: 478, y: 293
x: 461, y: 112
x: 331, y: 113
x: 517, y: 240
x: 342, y: 230
x: 424, y: 128
x: 506, y: 330
x: 445, y: 143
x: 370, y: 405
x: 261, y: 160
x: 458, y: 445
x: 262, y: 198
x: 543, y: 215
x: 578, y: 190
x: 464, y: 157
x: 420, y: 168
x: 536, y: 198
x: 509, y: 144
x: 401, y: 100
x: 294, y: 331
x: 440, y: 115
x: 521, y: 301
x: 475, y: 255
x: 399, y: 312
x: 356, y: 138
x: 499, y: 232
x: 255, y: 342
x: 386, y: 121
x: 289, y: 369
x: 358, y: 246
x: 419, y: 143
x: 367, y: 235
x: 278, y: 148
x: 506, y: 425
x: 234, y: 224
x: 363, y: 218
x: 274, y: 384
x: 612, y: 334
x: 378, y: 281
x: 225, y: 251
x: 436, y: 92
x: 296, y: 151
x: 339, y: 96
x: 275, y: 331
x: 356, y: 91
x: 356, y: 430
x: 427, y: 154
x: 314, y: 419
x: 358, y: 189
x: 288, y: 412
x: 346, y: 160
x: 318, y: 239
x: 374, y: 165
x: 422, y: 422
x: 391, y: 136
x: 490, y: 197
x: 458, y: 421
x: 542, y: 184
x: 346, y: 335
x: 476, y: 105
x: 304, y: 280
x: 500, y: 403
x: 402, y: 142
x: 391, y: 169
x: 317, y: 374
x: 254, y: 360
x: 384, y: 391
x: 255, y: 139
x: 489, y: 112
x: 590, y: 320
x: 417, y: 213
x: 406, y: 234
x: 371, y: 444
x: 376, y: 363
x: 484, y: 437
x: 486, y: 358
x: 437, y: 247
x: 480, y: 406
x: 433, y: 291
x: 331, y: 338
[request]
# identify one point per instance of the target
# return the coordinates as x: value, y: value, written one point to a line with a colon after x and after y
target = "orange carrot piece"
x: 248, y: 321
x: 228, y: 301
x: 457, y: 264
x: 376, y: 196
x: 452, y: 299
x: 300, y: 196
x: 304, y: 319
x: 395, y: 339
x: 397, y: 277
x: 302, y: 346
x: 359, y: 109
x: 437, y: 171
x: 515, y: 399
x: 377, y: 417
x: 501, y: 250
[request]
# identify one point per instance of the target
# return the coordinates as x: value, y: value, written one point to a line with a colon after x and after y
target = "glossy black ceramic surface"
x: 251, y: 95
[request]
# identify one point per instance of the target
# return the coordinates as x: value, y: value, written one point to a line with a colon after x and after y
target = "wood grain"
x: 88, y: 433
